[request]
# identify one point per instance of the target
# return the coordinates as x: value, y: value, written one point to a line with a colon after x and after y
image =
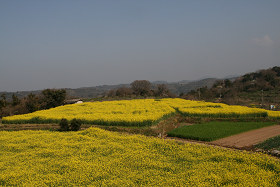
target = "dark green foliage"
x: 1, y: 104
x: 228, y: 83
x: 35, y: 120
x: 32, y: 103
x: 3, y: 101
x: 53, y: 98
x: 15, y: 100
x: 277, y: 70
x: 64, y: 125
x: 48, y: 99
x: 272, y: 143
x: 215, y: 130
x: 75, y: 124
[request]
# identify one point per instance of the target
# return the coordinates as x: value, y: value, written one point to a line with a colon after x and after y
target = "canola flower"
x: 95, y: 157
x: 138, y: 112
x: 274, y: 114
x: 127, y: 112
x: 220, y: 110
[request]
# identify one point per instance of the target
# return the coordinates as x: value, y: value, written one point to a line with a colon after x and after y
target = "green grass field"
x: 211, y: 131
x: 272, y: 143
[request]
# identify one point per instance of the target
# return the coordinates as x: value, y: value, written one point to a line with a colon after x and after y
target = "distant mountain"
x: 97, y: 91
x: 186, y: 86
x: 177, y: 88
x: 184, y: 81
x: 90, y: 92
x: 160, y: 82
x: 231, y: 77
x: 20, y: 94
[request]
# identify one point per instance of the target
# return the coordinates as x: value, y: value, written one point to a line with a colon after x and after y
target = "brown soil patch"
x: 250, y: 138
x: 17, y: 127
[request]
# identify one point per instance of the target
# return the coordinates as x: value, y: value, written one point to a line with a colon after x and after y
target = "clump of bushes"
x: 64, y: 125
x: 74, y: 125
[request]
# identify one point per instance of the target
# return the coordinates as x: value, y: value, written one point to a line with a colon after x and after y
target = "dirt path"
x: 18, y: 127
x: 28, y: 126
x: 250, y: 138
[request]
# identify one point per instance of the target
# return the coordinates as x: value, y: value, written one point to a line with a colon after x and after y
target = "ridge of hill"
x: 176, y: 88
x: 260, y: 89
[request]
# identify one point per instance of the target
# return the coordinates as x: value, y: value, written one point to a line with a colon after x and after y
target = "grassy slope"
x: 215, y: 130
x: 98, y: 157
x: 272, y: 143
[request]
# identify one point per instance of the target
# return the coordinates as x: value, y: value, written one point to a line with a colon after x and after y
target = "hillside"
x: 185, y: 87
x: 260, y: 89
x: 90, y: 92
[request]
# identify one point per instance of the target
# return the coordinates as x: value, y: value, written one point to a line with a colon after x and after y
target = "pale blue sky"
x: 70, y: 44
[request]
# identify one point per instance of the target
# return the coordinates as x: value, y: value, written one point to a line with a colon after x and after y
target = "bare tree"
x: 123, y: 91
x: 162, y: 91
x: 141, y: 87
x: 111, y: 93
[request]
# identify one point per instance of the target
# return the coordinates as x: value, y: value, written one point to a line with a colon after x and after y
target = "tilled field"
x: 250, y: 138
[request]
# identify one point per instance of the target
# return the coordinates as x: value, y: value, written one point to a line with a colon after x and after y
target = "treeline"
x: 48, y: 98
x: 141, y: 88
x: 251, y: 87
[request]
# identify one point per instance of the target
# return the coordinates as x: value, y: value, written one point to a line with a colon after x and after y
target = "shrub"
x: 53, y: 98
x: 75, y: 124
x: 64, y: 125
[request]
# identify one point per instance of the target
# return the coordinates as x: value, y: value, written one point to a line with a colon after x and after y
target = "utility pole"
x: 198, y: 93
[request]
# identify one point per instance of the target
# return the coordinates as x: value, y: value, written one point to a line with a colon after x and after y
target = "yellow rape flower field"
x: 96, y: 157
x: 220, y: 110
x: 126, y: 112
x: 138, y: 112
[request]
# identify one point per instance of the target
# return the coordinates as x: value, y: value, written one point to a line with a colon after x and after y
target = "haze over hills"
x: 257, y: 87
x: 176, y: 88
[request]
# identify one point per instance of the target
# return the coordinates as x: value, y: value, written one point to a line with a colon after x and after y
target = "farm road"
x: 250, y: 138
